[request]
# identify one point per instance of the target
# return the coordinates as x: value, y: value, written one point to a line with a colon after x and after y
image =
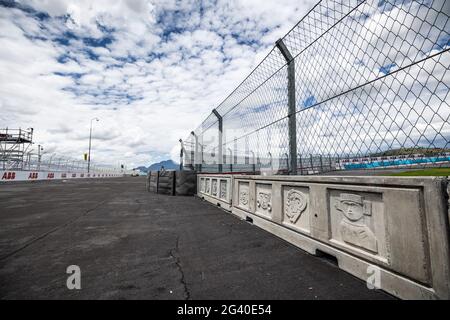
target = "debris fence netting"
x: 359, y: 85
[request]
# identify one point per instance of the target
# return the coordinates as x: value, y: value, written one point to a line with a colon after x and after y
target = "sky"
x: 150, y: 70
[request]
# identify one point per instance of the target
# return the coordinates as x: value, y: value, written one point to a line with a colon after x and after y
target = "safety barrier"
x: 392, y: 232
x: 173, y: 183
x: 215, y: 189
x: 8, y: 176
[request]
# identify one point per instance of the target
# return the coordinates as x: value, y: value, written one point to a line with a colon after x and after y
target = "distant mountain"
x: 168, y: 165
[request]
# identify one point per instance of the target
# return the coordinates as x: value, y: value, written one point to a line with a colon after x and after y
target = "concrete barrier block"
x: 216, y: 189
x: 399, y: 225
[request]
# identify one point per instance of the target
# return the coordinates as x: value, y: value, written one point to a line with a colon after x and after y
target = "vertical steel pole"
x: 201, y: 157
x: 231, y: 159
x: 90, y: 138
x: 247, y: 160
x: 321, y: 163
x: 196, y: 151
x: 291, y: 105
x: 39, y: 158
x: 181, y: 155
x: 220, y: 156
x: 89, y: 153
x: 235, y: 152
x: 301, y: 165
x: 253, y: 162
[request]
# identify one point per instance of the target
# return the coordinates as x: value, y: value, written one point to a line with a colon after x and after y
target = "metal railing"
x: 355, y: 84
x: 56, y: 163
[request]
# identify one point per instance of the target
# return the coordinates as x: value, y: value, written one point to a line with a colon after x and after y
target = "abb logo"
x: 50, y: 175
x: 33, y: 175
x: 9, y: 176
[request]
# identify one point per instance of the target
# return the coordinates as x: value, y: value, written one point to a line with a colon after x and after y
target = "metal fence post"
x: 231, y: 159
x: 291, y: 105
x: 253, y: 162
x: 271, y: 161
x: 181, y: 154
x: 247, y: 152
x: 321, y: 163
x: 235, y: 158
x: 287, y: 162
x: 196, y: 151
x: 220, y: 119
x: 201, y: 158
x: 301, y: 164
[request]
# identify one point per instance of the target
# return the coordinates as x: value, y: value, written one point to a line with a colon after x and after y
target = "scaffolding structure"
x: 14, y: 146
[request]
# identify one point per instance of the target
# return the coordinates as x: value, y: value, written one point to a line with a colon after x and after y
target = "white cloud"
x: 161, y: 68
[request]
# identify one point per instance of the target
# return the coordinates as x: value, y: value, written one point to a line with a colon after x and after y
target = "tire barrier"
x: 152, y: 181
x: 175, y: 183
x: 392, y: 232
x: 9, y: 176
x: 186, y: 183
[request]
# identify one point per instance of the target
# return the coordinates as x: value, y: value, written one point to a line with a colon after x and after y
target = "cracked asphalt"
x: 131, y: 244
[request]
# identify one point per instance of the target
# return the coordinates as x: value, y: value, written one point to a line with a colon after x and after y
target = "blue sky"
x: 150, y: 70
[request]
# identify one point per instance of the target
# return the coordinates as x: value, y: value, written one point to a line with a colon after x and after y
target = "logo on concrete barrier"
x: 353, y: 228
x: 9, y: 176
x: 243, y: 196
x: 74, y: 280
x: 263, y: 201
x: 33, y: 175
x: 296, y: 204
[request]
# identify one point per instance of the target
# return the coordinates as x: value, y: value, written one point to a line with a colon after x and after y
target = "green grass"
x: 424, y: 172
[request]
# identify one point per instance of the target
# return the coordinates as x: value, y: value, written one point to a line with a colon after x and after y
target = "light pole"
x: 90, y: 138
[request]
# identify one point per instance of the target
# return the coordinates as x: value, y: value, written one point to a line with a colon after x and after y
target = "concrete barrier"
x: 215, y: 189
x: 11, y: 175
x: 392, y: 232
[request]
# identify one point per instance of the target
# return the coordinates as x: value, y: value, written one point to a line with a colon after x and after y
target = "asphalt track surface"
x: 130, y: 244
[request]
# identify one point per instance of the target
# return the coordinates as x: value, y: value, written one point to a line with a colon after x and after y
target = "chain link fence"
x: 57, y: 163
x: 354, y: 85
